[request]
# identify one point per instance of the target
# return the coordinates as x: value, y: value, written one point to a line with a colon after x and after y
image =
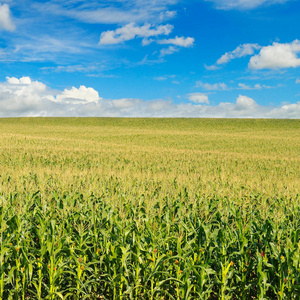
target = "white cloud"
x: 240, y: 51
x: 19, y: 97
x: 277, y: 56
x: 77, y: 96
x: 244, y: 4
x: 131, y: 31
x: 23, y: 80
x: 245, y: 103
x: 179, y: 41
x: 244, y: 86
x: 25, y: 97
x: 169, y: 14
x: 46, y: 42
x: 211, y: 68
x: 147, y: 41
x: 112, y: 12
x: 168, y: 51
x: 288, y: 111
x: 257, y: 86
x: 198, y: 98
x: 40, y: 47
x: 212, y: 87
x: 221, y: 86
x: 6, y: 22
x: 297, y: 81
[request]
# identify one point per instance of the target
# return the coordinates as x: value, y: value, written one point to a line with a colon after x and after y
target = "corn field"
x: 149, y: 209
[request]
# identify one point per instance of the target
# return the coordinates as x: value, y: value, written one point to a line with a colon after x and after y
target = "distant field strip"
x: 104, y: 208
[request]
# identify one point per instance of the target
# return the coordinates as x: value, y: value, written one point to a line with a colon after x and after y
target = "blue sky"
x: 159, y: 58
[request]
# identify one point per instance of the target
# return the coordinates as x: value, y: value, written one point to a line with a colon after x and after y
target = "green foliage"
x: 149, y: 209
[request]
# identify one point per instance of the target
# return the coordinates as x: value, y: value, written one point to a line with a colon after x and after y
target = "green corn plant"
x: 263, y: 283
x: 4, y: 237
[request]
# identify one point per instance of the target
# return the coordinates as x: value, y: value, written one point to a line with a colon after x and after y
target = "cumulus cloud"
x: 288, y: 111
x: 19, y: 96
x: 277, y: 56
x: 198, y: 98
x: 179, y: 41
x: 131, y: 31
x: 245, y: 103
x: 240, y: 51
x: 212, y: 87
x: 77, y: 96
x: 25, y: 97
x: 23, y: 80
x: 6, y: 22
x: 244, y: 4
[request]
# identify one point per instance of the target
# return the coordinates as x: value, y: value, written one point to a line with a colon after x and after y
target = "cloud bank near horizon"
x: 23, y: 97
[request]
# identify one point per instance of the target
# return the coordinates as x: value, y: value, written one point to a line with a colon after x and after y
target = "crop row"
x: 73, y: 248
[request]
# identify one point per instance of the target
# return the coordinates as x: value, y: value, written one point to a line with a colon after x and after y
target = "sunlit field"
x: 149, y: 209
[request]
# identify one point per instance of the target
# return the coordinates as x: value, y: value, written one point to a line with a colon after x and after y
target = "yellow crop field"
x: 104, y: 208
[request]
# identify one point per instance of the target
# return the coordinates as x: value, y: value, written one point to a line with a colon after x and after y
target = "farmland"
x: 104, y: 208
